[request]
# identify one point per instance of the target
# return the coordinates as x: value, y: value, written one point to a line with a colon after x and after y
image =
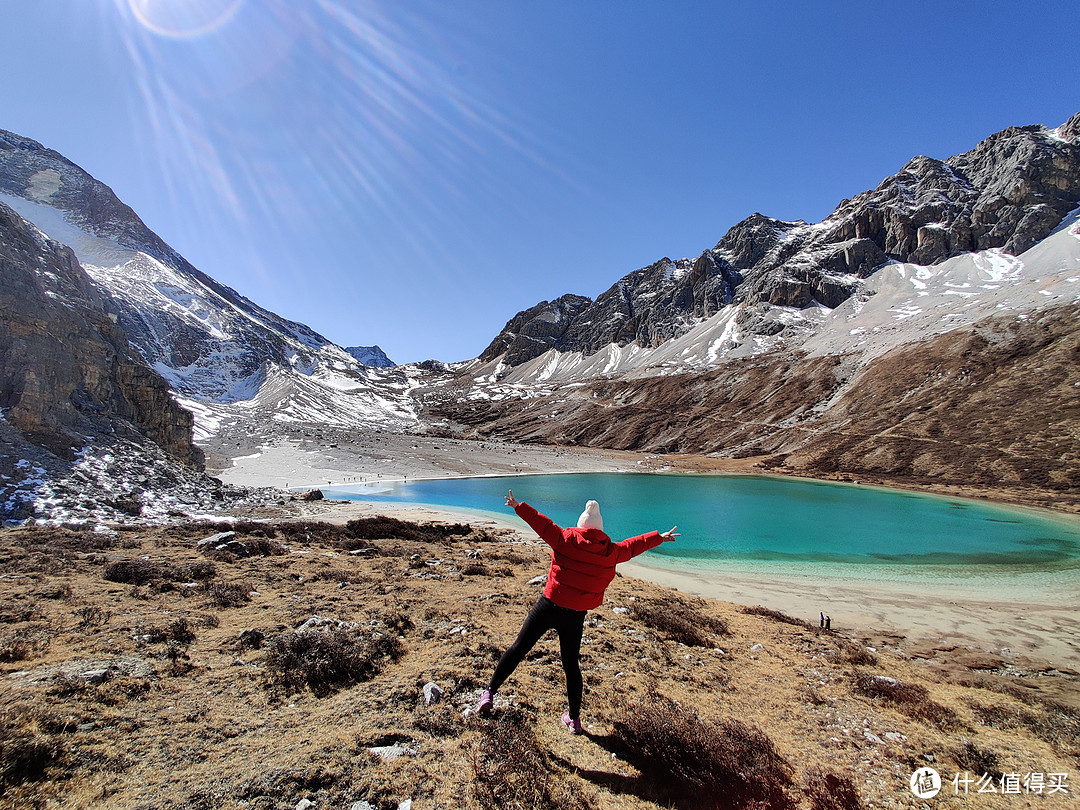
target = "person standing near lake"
x: 583, y: 561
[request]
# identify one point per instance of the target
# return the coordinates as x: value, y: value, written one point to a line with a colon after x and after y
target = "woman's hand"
x: 510, y: 500
x: 670, y: 534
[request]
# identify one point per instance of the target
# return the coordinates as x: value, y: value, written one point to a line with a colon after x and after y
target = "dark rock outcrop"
x: 532, y: 332
x: 67, y: 371
x: 1009, y: 192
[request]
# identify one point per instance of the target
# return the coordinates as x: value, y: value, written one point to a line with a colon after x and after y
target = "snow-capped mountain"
x: 224, y: 356
x: 767, y: 282
x: 927, y: 329
x: 370, y: 356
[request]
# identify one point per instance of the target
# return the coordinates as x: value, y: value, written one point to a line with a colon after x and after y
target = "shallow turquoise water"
x: 729, y: 519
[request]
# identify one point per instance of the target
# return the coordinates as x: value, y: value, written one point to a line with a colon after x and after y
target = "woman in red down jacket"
x: 583, y: 561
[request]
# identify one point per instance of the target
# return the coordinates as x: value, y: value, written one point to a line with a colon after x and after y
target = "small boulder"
x: 432, y: 693
x: 214, y: 540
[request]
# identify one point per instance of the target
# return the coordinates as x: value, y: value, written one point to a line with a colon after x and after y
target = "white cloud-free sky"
x: 412, y: 173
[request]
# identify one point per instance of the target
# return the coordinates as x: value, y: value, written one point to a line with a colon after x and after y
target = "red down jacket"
x: 582, y: 560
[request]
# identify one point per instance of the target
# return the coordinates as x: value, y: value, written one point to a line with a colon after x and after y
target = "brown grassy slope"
x: 138, y: 672
x: 992, y: 406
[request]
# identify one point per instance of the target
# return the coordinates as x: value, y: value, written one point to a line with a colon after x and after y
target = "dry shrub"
x: 387, y: 528
x: 25, y: 754
x: 200, y: 570
x: 475, y: 569
x: 830, y: 791
x: 325, y: 660
x: 910, y: 698
x: 970, y: 757
x: 250, y: 640
x: 142, y: 572
x: 889, y: 689
x: 398, y: 622
x: 678, y: 620
x: 699, y: 763
x: 16, y: 611
x: 178, y: 631
x: 22, y: 643
x: 1059, y: 726
x: 263, y: 547
x: 440, y: 720
x: 513, y: 558
x: 92, y: 616
x: 52, y: 538
x: 311, y: 531
x: 856, y: 654
x: 777, y: 616
x: 229, y: 594
x: 253, y: 528
x: 511, y: 768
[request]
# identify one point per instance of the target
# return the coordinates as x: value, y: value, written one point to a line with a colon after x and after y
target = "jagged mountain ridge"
x: 964, y: 373
x: 1007, y: 193
x: 220, y: 352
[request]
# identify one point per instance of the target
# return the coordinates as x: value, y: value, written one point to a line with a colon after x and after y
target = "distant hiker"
x: 822, y: 625
x: 583, y: 561
x: 828, y: 622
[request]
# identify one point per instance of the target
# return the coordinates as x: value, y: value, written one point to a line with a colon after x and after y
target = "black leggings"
x: 569, y: 624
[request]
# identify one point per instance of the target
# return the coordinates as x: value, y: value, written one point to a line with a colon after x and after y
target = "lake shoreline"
x: 920, y: 617
x: 387, y: 456
x: 919, y: 621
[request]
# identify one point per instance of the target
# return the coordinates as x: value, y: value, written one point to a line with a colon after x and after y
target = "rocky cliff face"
x: 533, y: 331
x: 67, y: 372
x: 240, y: 368
x: 210, y: 341
x: 1009, y: 192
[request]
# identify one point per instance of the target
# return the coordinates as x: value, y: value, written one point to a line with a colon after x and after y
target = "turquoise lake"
x: 728, y: 520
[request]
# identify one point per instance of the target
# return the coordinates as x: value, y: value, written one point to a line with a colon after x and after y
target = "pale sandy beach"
x: 1019, y: 627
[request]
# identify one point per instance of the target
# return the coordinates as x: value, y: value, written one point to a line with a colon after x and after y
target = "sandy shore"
x: 392, y: 457
x: 917, y: 617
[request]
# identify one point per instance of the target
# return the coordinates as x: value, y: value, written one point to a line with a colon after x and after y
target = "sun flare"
x: 183, y: 18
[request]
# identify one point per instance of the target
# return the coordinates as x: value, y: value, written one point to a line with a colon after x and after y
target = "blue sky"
x: 412, y: 174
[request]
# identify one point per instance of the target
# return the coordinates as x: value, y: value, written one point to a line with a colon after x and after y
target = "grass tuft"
x: 979, y: 761
x: 830, y: 791
x: 777, y: 616
x: 511, y: 768
x: 229, y: 594
x: 22, y: 643
x: 25, y: 755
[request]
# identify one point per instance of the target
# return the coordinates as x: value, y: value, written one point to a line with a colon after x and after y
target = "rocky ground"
x: 291, y: 664
x: 112, y: 481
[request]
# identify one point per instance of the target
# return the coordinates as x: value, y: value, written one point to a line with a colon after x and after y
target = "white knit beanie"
x: 590, y: 518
